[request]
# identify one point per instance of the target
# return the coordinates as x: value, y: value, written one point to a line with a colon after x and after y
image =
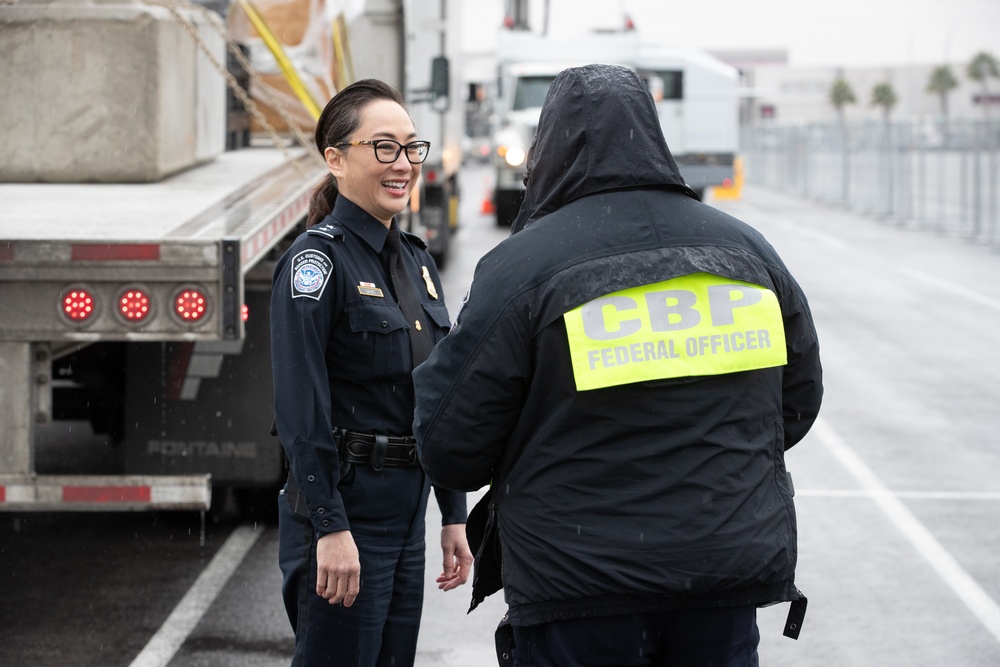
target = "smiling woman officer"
x: 356, y: 305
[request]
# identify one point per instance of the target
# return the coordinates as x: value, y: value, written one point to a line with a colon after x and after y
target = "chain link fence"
x: 928, y: 175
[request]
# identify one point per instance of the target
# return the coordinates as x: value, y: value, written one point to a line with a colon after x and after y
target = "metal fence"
x: 933, y: 176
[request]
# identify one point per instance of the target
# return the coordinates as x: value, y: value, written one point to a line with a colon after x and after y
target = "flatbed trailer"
x: 127, y: 305
x: 136, y: 255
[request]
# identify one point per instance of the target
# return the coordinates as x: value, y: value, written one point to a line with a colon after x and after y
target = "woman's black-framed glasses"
x: 387, y: 150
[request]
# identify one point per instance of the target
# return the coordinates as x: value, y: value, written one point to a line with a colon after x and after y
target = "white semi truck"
x: 136, y: 255
x: 696, y: 97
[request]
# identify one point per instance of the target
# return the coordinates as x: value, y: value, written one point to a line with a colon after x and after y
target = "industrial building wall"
x: 784, y: 94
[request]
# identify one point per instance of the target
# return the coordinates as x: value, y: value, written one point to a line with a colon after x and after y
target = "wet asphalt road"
x: 898, y: 489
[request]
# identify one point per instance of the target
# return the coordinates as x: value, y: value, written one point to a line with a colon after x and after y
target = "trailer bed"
x: 140, y: 212
x: 201, y: 230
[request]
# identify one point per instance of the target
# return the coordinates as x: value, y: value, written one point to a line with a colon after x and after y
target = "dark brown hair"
x: 339, y: 120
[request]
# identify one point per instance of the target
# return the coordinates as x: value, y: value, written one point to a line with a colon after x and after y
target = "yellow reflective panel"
x: 699, y: 324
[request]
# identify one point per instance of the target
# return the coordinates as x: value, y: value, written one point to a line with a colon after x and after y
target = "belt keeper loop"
x: 339, y: 441
x: 379, y: 451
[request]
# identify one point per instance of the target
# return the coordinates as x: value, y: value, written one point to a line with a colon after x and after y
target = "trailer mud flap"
x: 232, y: 298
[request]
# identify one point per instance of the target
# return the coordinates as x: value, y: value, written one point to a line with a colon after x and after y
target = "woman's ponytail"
x: 323, y: 199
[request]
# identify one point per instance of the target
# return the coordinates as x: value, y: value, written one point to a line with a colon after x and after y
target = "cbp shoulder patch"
x: 310, y: 273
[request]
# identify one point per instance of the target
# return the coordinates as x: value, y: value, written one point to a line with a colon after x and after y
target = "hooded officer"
x: 627, y: 372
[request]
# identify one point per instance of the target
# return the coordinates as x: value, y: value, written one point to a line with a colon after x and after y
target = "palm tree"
x: 981, y: 69
x: 941, y: 82
x: 841, y: 94
x: 885, y: 97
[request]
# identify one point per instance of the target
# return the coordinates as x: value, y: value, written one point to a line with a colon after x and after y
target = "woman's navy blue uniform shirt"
x: 341, y: 352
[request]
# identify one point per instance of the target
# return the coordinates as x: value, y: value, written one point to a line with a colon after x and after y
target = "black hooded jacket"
x: 654, y: 494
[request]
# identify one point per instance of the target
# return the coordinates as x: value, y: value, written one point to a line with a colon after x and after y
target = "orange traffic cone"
x: 488, y: 207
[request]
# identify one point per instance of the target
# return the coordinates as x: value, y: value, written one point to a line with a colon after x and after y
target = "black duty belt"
x: 377, y: 451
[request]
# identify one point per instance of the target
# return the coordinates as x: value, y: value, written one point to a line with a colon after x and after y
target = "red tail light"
x: 78, y: 304
x: 134, y: 305
x: 246, y: 312
x: 190, y: 305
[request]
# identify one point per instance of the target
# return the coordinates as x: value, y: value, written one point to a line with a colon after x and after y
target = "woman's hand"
x: 338, y: 568
x: 457, y: 557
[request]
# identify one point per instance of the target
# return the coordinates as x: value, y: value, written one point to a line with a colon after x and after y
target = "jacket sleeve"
x: 470, y: 391
x: 802, y: 377
x: 454, y: 508
x: 300, y: 331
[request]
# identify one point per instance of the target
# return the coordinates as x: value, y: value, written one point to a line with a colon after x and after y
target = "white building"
x: 774, y: 92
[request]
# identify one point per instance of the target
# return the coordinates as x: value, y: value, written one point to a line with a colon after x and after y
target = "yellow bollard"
x: 735, y: 190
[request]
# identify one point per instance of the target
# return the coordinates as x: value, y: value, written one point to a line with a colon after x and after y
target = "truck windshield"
x: 530, y: 91
x: 673, y: 84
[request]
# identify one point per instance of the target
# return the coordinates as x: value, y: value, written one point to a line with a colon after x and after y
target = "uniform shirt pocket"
x: 378, y: 348
x: 438, y: 313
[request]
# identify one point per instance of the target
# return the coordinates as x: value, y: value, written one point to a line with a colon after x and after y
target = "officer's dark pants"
x: 386, y: 512
x: 685, y: 638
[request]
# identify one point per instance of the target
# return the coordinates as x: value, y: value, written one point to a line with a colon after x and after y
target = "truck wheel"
x: 508, y: 204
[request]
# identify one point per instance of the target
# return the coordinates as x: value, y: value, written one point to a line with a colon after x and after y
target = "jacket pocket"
x: 483, y: 532
x: 784, y: 488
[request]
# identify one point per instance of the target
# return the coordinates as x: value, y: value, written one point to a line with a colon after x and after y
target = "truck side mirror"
x: 440, y: 84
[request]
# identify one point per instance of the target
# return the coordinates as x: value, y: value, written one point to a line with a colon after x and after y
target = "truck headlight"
x: 515, y: 156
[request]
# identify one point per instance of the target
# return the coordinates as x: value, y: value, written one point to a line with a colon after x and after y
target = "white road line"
x: 836, y: 242
x: 182, y: 621
x: 982, y: 606
x: 949, y: 286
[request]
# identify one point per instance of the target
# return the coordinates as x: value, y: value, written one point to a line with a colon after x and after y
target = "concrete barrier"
x: 112, y: 92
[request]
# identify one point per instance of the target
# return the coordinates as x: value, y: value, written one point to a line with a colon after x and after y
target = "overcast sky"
x: 850, y: 33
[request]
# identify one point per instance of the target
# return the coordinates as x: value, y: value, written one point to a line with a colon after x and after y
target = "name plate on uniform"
x: 369, y: 289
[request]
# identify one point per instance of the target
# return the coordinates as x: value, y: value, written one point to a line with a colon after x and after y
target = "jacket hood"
x: 598, y: 131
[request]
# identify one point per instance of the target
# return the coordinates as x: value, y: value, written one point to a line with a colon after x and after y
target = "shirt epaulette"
x: 326, y: 229
x: 416, y: 240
